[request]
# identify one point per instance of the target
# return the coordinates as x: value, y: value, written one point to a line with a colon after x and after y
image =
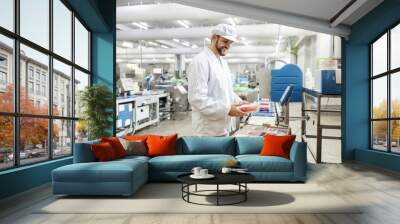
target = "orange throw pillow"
x: 116, y: 145
x: 277, y: 145
x: 161, y: 145
x: 103, y: 152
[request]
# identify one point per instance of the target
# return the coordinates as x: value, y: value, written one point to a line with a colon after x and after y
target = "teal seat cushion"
x: 257, y: 163
x: 112, y: 171
x: 185, y: 163
x: 249, y: 145
x: 195, y: 145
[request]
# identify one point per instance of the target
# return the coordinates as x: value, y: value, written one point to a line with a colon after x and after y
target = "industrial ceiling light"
x: 185, y: 43
x: 195, y: 46
x: 127, y: 44
x: 144, y: 24
x: 140, y: 26
x: 231, y: 21
x: 176, y: 40
x: 164, y: 46
x: 184, y: 23
x: 152, y: 43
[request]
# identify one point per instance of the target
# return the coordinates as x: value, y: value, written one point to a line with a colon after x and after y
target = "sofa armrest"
x: 83, y: 152
x: 298, y: 155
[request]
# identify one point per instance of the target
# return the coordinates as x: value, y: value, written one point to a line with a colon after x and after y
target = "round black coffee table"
x: 238, y: 179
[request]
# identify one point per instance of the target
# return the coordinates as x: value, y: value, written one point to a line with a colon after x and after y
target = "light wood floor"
x: 378, y: 189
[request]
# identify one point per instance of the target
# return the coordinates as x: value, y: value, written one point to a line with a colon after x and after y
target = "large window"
x: 7, y: 14
x: 40, y: 80
x: 385, y: 91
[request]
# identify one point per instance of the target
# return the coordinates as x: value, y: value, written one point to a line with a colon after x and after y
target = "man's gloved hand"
x: 243, y: 102
x: 236, y: 112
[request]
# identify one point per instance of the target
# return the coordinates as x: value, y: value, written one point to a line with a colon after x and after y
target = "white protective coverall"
x: 210, y: 94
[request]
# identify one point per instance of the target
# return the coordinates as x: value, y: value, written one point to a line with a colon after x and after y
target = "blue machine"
x: 289, y: 74
x: 327, y: 82
x: 126, y: 115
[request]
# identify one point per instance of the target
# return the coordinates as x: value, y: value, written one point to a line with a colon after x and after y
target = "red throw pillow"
x: 277, y: 145
x: 161, y: 145
x: 103, y: 152
x: 116, y: 145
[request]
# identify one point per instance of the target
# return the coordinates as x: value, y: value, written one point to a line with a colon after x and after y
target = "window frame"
x: 388, y: 74
x: 16, y: 114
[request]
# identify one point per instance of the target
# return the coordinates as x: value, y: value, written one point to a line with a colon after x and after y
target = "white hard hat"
x: 226, y: 31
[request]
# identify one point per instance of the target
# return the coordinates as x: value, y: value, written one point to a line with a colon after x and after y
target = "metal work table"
x: 316, y: 98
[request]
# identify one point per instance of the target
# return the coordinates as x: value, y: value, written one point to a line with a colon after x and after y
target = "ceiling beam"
x: 269, y: 15
x: 347, y: 11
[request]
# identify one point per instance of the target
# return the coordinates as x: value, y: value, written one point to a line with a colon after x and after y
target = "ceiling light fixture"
x: 231, y: 21
x: 144, y: 24
x: 140, y: 26
x: 195, y: 46
x: 153, y: 43
x: 127, y: 44
x: 187, y: 44
x: 184, y: 23
x: 176, y: 40
x: 164, y: 46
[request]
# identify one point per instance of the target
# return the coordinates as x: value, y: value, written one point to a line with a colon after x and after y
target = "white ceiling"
x: 256, y: 21
x: 320, y: 9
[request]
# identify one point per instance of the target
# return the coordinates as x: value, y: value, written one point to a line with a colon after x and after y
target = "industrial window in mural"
x: 38, y: 116
x: 385, y: 94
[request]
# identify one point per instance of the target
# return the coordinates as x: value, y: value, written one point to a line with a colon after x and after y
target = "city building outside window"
x: 30, y: 72
x: 3, y: 78
x: 38, y: 89
x: 30, y: 87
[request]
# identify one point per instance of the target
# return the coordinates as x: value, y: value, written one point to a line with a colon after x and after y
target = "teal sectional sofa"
x: 125, y: 176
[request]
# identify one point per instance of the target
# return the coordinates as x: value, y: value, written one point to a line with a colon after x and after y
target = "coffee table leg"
x: 217, y: 194
x: 196, y: 188
x: 245, y: 193
x: 188, y: 189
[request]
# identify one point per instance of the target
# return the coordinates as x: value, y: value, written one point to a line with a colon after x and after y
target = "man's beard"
x: 222, y: 51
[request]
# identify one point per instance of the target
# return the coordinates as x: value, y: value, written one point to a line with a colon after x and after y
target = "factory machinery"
x: 147, y: 103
